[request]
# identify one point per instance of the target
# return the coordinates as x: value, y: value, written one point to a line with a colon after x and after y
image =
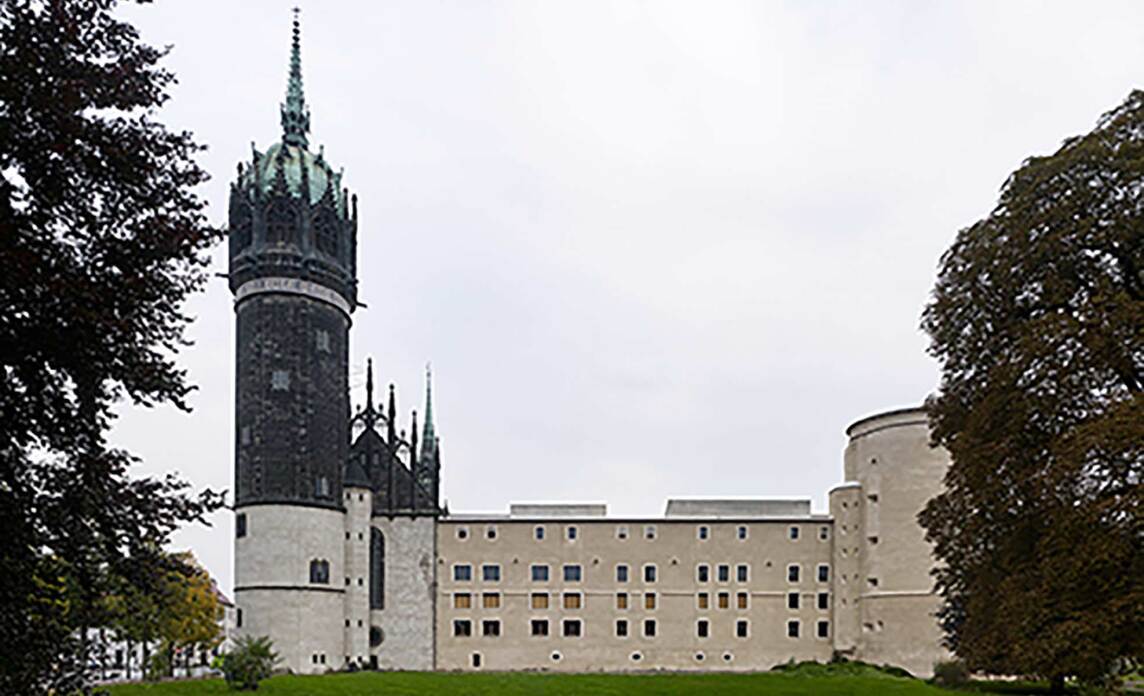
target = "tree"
x: 191, y: 613
x: 1037, y: 319
x: 102, y: 237
x: 251, y: 661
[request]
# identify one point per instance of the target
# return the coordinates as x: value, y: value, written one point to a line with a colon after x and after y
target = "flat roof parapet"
x: 745, y: 507
x: 557, y: 510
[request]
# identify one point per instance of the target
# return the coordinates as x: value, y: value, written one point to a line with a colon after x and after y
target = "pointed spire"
x: 369, y: 384
x: 429, y: 438
x: 295, y: 115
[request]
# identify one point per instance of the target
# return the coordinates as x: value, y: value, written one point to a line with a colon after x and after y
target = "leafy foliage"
x: 251, y: 661
x: 1038, y: 320
x: 950, y: 673
x: 101, y: 239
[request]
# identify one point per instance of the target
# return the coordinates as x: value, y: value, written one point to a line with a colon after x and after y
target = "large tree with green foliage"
x: 101, y: 238
x: 1037, y: 319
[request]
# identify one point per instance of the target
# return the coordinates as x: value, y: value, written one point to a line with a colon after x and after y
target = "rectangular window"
x: 571, y: 533
x: 724, y: 600
x: 703, y: 573
x: 490, y: 572
x: 572, y: 628
x: 792, y: 629
x: 572, y: 573
x: 823, y: 533
x: 724, y: 573
x: 572, y: 600
x: 793, y: 533
x: 621, y: 573
x: 702, y: 628
x: 539, y: 600
x: 741, y: 573
x: 621, y: 600
x: 872, y: 582
x: 823, y: 629
x: 823, y: 600
x: 240, y: 525
x: 462, y: 627
x: 491, y: 600
x: 823, y: 573
x: 704, y: 600
x: 539, y: 627
x: 462, y: 573
x: 649, y: 600
x: 538, y: 533
x: 491, y: 533
x: 741, y: 533
x: 622, y: 532
x: 238, y: 618
x: 622, y: 628
x: 792, y: 600
x: 741, y: 628
x: 490, y: 627
x: 792, y: 573
x: 703, y: 533
x: 649, y: 532
x: 649, y: 573
x: 462, y: 600
x: 649, y: 628
x: 741, y: 600
x: 540, y: 573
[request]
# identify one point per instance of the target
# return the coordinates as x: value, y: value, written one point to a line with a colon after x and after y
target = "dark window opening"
x: 376, y: 569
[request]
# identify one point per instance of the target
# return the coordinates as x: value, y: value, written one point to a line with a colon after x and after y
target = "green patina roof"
x: 290, y: 160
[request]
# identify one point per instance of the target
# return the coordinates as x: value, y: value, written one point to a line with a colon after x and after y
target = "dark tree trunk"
x: 1057, y: 684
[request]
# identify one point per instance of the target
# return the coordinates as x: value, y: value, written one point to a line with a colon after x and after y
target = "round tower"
x: 293, y: 234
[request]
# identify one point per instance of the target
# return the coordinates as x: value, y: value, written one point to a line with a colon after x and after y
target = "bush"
x: 251, y: 661
x: 951, y: 673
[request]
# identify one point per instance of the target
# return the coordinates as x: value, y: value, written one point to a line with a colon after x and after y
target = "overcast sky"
x: 652, y: 249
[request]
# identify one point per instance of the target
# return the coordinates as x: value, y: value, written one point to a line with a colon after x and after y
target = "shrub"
x: 251, y: 661
x: 950, y: 673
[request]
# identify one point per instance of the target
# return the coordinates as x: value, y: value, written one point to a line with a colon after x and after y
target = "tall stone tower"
x: 293, y: 248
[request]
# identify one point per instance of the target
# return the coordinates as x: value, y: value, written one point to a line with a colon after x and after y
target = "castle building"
x: 344, y: 555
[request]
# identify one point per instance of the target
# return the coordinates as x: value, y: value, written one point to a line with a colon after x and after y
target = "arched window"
x: 376, y: 569
x: 320, y: 572
x: 326, y: 232
x: 281, y: 222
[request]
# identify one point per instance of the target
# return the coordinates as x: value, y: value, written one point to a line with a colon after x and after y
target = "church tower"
x: 293, y: 248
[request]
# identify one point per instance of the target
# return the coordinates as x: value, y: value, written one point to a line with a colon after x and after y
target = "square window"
x: 823, y: 573
x: 490, y: 627
x: 741, y: 533
x: 621, y: 628
x: 823, y: 600
x: 572, y: 628
x: 724, y: 600
x: 538, y: 533
x: 793, y: 533
x: 649, y: 628
x: 462, y: 600
x: 491, y: 600
x: 649, y: 600
x: 572, y: 573
x: 462, y: 627
x: 540, y: 573
x: 724, y: 573
x: 792, y: 600
x: 621, y: 600
x: 490, y: 572
x: 622, y: 532
x: 702, y: 628
x: 621, y: 573
x: 462, y: 573
x: 462, y: 533
x: 792, y: 629
x: 491, y: 533
x: 571, y: 533
x: 703, y: 573
x: 649, y: 532
x: 792, y: 573
x: 741, y: 600
x: 741, y: 629
x: 540, y: 600
x: 539, y: 627
x: 649, y: 573
x: 280, y: 380
x: 572, y: 600
x: 704, y: 533
x: 704, y: 600
x: 741, y: 573
x: 872, y: 582
x: 823, y: 629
